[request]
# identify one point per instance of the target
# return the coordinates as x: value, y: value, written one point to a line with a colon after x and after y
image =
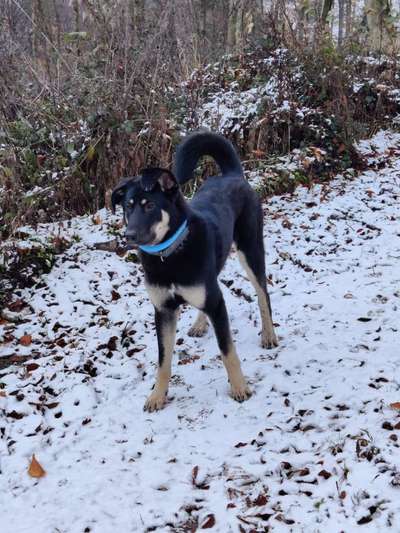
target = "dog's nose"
x: 131, y: 235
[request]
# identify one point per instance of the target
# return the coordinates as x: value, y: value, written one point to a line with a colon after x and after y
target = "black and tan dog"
x: 185, y: 245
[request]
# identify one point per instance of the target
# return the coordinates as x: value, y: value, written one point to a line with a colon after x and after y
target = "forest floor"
x: 315, y: 449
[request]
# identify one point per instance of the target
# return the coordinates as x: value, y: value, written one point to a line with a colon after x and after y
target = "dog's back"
x: 224, y: 201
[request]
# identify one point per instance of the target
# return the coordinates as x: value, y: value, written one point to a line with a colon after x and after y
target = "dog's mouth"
x: 130, y: 245
x: 135, y: 243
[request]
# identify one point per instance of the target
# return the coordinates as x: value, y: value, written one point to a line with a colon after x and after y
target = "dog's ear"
x: 119, y: 192
x: 162, y: 176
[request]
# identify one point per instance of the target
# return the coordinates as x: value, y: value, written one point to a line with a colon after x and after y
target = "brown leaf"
x: 19, y: 358
x: 115, y: 295
x: 209, y: 522
x: 16, y: 306
x: 325, y: 474
x: 31, y: 367
x: 260, y: 500
x: 3, y: 394
x: 198, y: 484
x: 35, y: 468
x: 52, y: 405
x: 195, y: 471
x: 15, y: 415
x: 303, y: 471
x: 25, y: 340
x: 112, y: 344
x: 189, y: 359
x: 258, y: 153
x: 395, y: 405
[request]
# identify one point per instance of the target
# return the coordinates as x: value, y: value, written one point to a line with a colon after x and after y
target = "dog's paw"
x: 198, y: 330
x: 240, y: 392
x: 269, y: 340
x: 155, y: 402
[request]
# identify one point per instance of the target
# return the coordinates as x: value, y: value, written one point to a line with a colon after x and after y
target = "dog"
x: 184, y: 245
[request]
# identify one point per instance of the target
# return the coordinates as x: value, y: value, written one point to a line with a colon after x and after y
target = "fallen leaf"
x: 258, y: 153
x: 35, y: 468
x: 189, y: 359
x: 115, y: 295
x: 364, y: 520
x: 15, y: 415
x: 52, y: 405
x: 260, y: 500
x: 3, y: 393
x: 25, y: 340
x: 209, y: 522
x: 195, y: 471
x: 395, y: 405
x: 31, y: 367
x: 17, y: 306
x: 325, y: 474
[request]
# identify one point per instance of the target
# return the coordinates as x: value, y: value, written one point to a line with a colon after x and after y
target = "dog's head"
x: 150, y: 204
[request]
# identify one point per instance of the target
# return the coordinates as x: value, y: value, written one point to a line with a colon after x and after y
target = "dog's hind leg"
x: 166, y: 330
x: 219, y: 318
x: 268, y: 336
x: 200, y: 326
x: 250, y: 248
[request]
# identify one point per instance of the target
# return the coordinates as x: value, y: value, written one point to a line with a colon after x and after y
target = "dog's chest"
x: 194, y: 295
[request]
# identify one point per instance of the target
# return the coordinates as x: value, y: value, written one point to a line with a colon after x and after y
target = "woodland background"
x: 94, y: 90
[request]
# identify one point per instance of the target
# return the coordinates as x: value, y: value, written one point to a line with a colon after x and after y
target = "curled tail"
x: 202, y: 143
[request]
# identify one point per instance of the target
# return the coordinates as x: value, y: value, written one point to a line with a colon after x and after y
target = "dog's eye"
x: 148, y: 206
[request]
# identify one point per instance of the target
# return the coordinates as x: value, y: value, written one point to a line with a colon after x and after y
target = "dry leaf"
x: 35, y: 468
x: 209, y: 522
x: 25, y: 340
x: 317, y: 153
x: 31, y: 367
x: 395, y: 405
x: 3, y: 393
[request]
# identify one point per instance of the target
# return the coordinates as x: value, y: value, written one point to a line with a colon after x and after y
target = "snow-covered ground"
x: 315, y: 449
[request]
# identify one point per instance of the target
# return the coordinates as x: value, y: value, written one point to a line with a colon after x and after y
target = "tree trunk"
x: 382, y: 31
x: 348, y: 17
x: 232, y: 24
x: 240, y: 29
x: 326, y: 9
x: 341, y: 22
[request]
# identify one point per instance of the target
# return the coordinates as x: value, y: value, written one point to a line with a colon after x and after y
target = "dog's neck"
x: 175, y: 235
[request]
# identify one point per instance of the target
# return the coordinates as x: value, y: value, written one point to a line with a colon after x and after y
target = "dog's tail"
x: 203, y: 143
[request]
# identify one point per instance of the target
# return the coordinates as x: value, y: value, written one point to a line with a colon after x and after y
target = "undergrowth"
x: 293, y: 114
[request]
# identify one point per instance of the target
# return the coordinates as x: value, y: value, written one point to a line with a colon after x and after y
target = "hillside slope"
x: 314, y: 449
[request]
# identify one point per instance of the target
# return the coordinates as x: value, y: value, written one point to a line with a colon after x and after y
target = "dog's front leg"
x: 219, y: 317
x: 166, y: 329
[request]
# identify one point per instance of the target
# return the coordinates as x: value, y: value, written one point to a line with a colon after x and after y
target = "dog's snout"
x: 131, y: 235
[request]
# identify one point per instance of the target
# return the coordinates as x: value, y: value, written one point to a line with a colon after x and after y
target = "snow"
x: 231, y: 110
x: 314, y: 449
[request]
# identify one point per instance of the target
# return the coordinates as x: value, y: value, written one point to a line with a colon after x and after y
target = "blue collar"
x: 164, y: 249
